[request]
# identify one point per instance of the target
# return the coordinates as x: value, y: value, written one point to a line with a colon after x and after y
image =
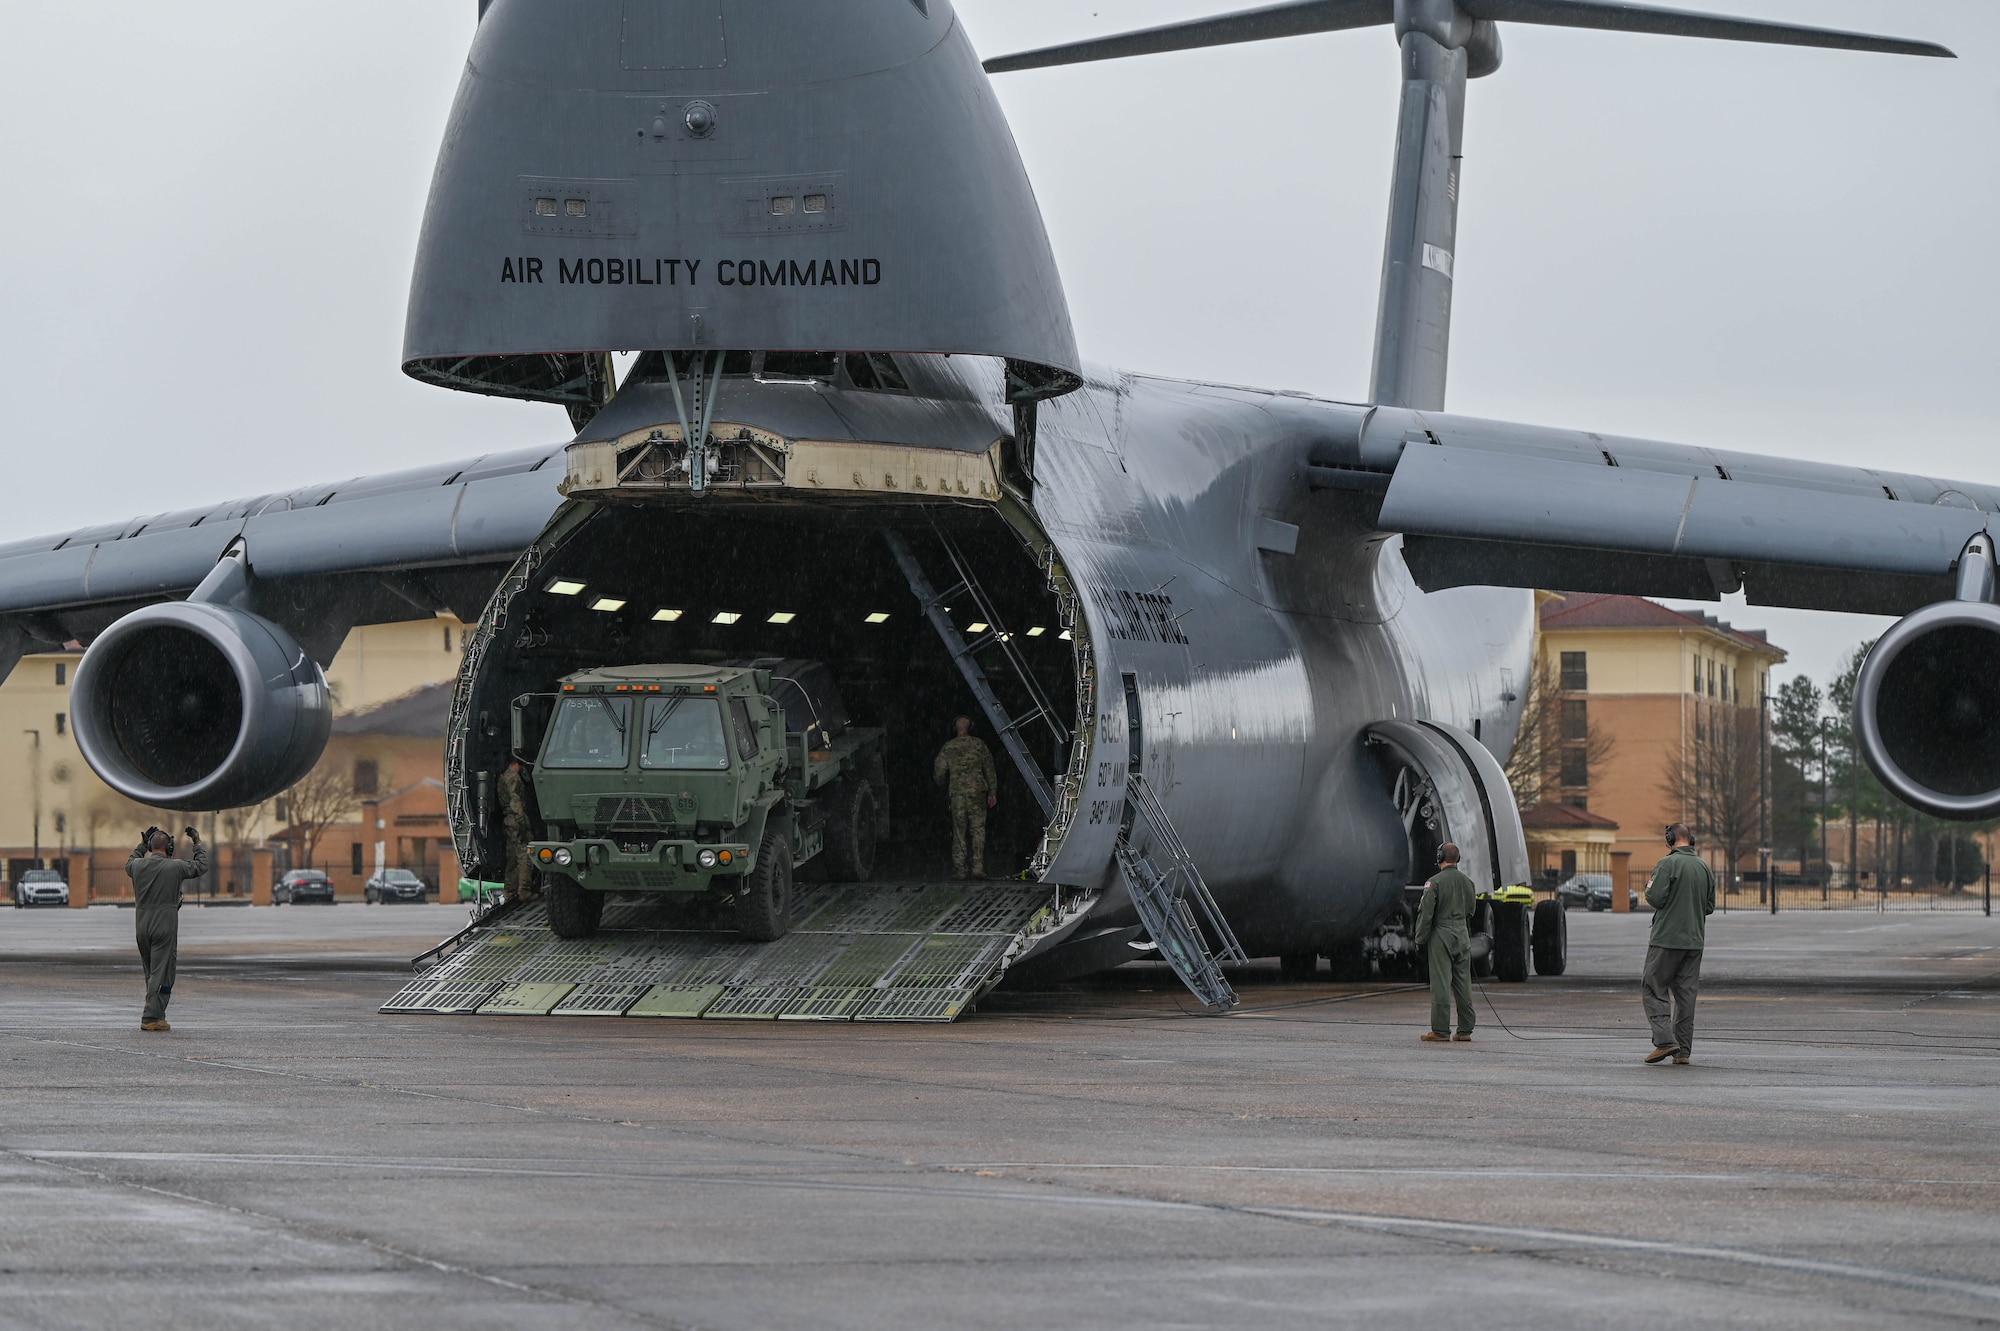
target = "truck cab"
x: 694, y: 779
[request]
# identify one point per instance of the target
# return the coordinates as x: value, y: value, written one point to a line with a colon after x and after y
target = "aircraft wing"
x: 371, y: 550
x: 1491, y: 503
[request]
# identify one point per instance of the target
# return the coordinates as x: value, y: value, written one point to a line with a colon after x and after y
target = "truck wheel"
x: 850, y: 833
x: 1298, y: 967
x: 1510, y: 942
x: 573, y: 912
x: 764, y: 900
x: 1551, y: 938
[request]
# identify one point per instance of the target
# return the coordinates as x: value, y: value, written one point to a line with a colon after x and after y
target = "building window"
x: 447, y: 637
x: 367, y: 779
x: 62, y: 723
x: 62, y: 673
x: 62, y: 824
x: 1576, y: 719
x: 1575, y: 766
x: 1711, y: 677
x: 1575, y: 671
x: 357, y: 856
x: 1697, y: 673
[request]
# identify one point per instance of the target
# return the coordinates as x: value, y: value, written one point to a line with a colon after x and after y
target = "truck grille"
x: 614, y: 811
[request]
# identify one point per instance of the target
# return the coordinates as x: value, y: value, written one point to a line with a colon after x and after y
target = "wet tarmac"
x: 1089, y: 1156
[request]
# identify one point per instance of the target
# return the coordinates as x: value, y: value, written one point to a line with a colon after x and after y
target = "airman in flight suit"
x: 1449, y: 900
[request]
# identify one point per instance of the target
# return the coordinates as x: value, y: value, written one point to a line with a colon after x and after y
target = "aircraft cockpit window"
x: 683, y: 732
x: 589, y: 732
x: 797, y: 367
x: 875, y: 371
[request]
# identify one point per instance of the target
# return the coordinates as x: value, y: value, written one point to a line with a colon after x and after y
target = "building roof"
x: 423, y: 712
x: 1594, y: 610
x: 1551, y: 816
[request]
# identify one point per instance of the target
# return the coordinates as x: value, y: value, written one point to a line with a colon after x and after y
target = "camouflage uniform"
x: 964, y: 767
x: 519, y: 832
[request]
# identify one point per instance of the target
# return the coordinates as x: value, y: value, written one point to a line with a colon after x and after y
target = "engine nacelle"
x: 191, y: 705
x: 1927, y: 709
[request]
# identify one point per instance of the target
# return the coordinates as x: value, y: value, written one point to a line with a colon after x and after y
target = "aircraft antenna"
x: 1443, y: 43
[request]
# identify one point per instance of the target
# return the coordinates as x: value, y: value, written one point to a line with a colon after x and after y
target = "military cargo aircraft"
x: 1250, y: 655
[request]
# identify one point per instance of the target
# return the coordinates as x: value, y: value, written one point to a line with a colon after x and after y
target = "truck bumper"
x: 669, y: 866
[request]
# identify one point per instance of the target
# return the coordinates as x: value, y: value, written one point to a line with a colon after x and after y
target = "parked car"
x: 40, y: 887
x: 1592, y: 891
x: 302, y: 886
x: 394, y: 885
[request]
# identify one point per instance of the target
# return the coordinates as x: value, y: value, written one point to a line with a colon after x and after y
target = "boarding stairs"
x: 1173, y: 902
x: 967, y: 649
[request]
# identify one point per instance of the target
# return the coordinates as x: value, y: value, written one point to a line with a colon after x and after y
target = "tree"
x: 1717, y: 780
x: 1556, y: 745
x: 323, y: 798
x: 1796, y: 711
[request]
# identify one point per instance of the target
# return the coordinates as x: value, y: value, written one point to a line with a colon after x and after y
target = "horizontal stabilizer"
x: 1298, y: 18
x: 1611, y: 16
x: 1295, y: 18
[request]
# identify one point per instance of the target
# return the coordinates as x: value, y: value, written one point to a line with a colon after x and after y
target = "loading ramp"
x: 856, y: 952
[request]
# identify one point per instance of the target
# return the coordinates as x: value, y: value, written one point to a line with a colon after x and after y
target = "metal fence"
x: 1806, y: 895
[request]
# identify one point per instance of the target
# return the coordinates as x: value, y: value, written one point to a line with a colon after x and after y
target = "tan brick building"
x: 1676, y: 695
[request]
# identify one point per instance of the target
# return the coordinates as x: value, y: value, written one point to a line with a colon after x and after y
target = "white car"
x: 41, y: 887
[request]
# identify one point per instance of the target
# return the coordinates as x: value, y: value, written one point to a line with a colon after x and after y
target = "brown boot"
x: 1432, y: 1037
x: 1662, y: 1053
x: 160, y: 1025
x: 1463, y: 1037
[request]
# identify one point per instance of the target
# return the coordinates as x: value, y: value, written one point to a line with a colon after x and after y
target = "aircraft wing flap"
x: 1483, y: 494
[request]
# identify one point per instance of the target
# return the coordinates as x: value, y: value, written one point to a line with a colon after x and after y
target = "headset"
x: 1682, y: 829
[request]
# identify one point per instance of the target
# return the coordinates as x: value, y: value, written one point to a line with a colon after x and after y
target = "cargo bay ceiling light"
x: 1037, y: 631
x: 564, y: 587
x: 666, y: 616
x: 725, y: 617
x: 607, y: 604
x: 878, y: 617
x: 781, y: 617
x: 978, y: 626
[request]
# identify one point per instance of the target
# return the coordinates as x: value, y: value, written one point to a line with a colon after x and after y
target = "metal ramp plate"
x: 912, y: 951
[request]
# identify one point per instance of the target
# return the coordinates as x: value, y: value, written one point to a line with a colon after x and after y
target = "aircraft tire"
x: 850, y: 833
x: 1551, y: 938
x: 1510, y: 942
x: 573, y: 912
x: 764, y: 899
x: 1298, y: 967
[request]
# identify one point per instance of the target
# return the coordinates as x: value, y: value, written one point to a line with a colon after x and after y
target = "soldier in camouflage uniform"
x: 519, y: 831
x: 964, y: 767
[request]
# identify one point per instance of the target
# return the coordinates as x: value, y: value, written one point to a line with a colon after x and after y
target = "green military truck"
x: 694, y: 779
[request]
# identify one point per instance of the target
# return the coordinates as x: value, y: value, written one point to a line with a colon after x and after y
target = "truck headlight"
x: 563, y: 856
x: 706, y: 859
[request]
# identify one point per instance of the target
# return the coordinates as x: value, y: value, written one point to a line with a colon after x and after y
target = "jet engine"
x: 1927, y: 709
x: 198, y: 705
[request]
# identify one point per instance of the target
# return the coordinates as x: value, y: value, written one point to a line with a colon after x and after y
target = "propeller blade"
x: 1295, y: 18
x: 1617, y: 16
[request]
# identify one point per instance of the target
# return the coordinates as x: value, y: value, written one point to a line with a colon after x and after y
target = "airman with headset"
x: 1449, y: 900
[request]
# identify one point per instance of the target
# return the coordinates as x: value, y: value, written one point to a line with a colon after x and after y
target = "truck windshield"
x: 589, y: 732
x: 683, y: 732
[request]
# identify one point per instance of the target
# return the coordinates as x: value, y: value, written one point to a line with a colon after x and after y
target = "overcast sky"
x: 212, y: 211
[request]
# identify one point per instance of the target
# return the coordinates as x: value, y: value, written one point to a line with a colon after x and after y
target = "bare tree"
x: 323, y: 798
x: 1716, y: 781
x: 1556, y: 745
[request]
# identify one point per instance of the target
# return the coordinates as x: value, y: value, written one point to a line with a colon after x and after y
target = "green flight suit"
x: 156, y: 896
x: 1449, y: 900
x: 1682, y: 895
x: 518, y: 830
x: 964, y: 767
